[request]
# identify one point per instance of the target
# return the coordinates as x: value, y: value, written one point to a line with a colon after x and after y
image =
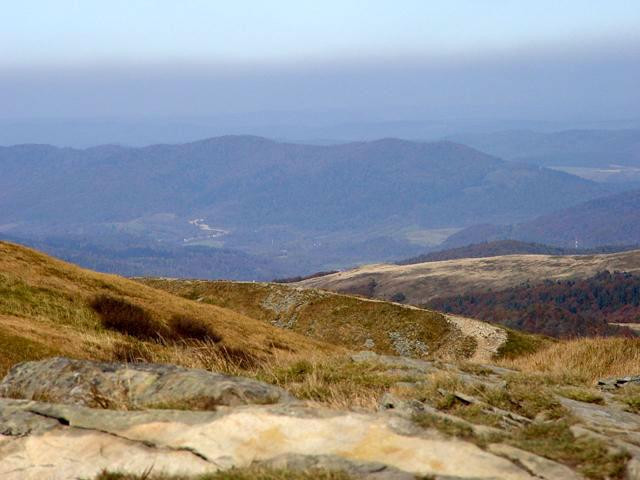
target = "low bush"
x: 122, y: 316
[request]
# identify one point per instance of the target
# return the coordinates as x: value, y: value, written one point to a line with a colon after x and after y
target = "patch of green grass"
x: 519, y: 344
x: 15, y: 349
x: 444, y: 425
x: 234, y: 474
x: 476, y: 414
x: 475, y: 369
x: 526, y: 395
x: 555, y: 441
x: 199, y: 403
x: 581, y: 395
x: 340, y: 382
x: 630, y: 396
x: 20, y: 299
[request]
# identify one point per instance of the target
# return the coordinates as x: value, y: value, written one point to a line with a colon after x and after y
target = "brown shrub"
x: 124, y: 317
x: 186, y: 327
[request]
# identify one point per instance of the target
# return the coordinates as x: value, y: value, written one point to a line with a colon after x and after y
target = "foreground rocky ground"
x: 69, y: 419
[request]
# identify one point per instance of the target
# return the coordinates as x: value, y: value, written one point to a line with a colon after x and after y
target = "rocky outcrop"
x: 611, y: 384
x: 133, y: 386
x: 66, y: 441
x: 178, y: 421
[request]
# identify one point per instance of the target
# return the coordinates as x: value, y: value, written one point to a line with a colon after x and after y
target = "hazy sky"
x: 36, y: 32
x: 542, y: 59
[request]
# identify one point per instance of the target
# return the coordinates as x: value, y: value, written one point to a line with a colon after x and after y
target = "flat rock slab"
x: 539, y: 466
x: 132, y: 385
x: 86, y: 440
x: 602, y: 417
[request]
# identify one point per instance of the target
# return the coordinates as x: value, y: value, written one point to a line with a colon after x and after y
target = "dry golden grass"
x: 48, y: 304
x: 422, y: 282
x: 588, y: 359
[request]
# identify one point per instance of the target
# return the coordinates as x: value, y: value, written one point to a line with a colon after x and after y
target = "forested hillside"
x: 610, y: 220
x: 560, y: 308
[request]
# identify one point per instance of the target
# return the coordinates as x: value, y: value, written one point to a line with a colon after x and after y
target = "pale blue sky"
x: 62, y: 32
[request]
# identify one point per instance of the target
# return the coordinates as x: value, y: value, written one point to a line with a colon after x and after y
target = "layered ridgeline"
x: 272, y: 399
x: 497, y: 248
x: 597, y: 149
x: 310, y: 207
x: 612, y: 220
x: 421, y: 282
x: 570, y: 295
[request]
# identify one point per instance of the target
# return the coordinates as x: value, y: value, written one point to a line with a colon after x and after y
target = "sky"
x: 81, y: 32
x: 380, y: 59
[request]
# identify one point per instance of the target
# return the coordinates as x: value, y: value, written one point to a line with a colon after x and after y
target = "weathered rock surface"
x: 131, y: 386
x: 601, y: 417
x: 55, y: 432
x: 84, y: 440
x: 538, y: 466
x: 619, y: 382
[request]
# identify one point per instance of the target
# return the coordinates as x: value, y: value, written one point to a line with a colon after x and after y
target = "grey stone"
x: 16, y: 422
x: 131, y: 386
x: 538, y: 466
x: 619, y: 382
x: 601, y: 416
x: 87, y: 440
x: 391, y: 404
x: 405, y: 408
x: 633, y: 470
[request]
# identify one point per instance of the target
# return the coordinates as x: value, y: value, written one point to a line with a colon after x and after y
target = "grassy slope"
x: 45, y: 310
x: 422, y: 282
x: 344, y: 320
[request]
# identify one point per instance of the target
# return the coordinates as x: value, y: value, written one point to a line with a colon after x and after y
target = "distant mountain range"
x: 612, y: 220
x: 497, y: 248
x: 308, y: 207
x: 583, y: 148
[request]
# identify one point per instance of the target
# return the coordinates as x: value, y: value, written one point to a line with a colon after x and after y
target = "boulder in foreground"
x: 123, y: 386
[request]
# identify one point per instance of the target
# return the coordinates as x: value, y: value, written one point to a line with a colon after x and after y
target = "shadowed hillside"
x: 612, y: 220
